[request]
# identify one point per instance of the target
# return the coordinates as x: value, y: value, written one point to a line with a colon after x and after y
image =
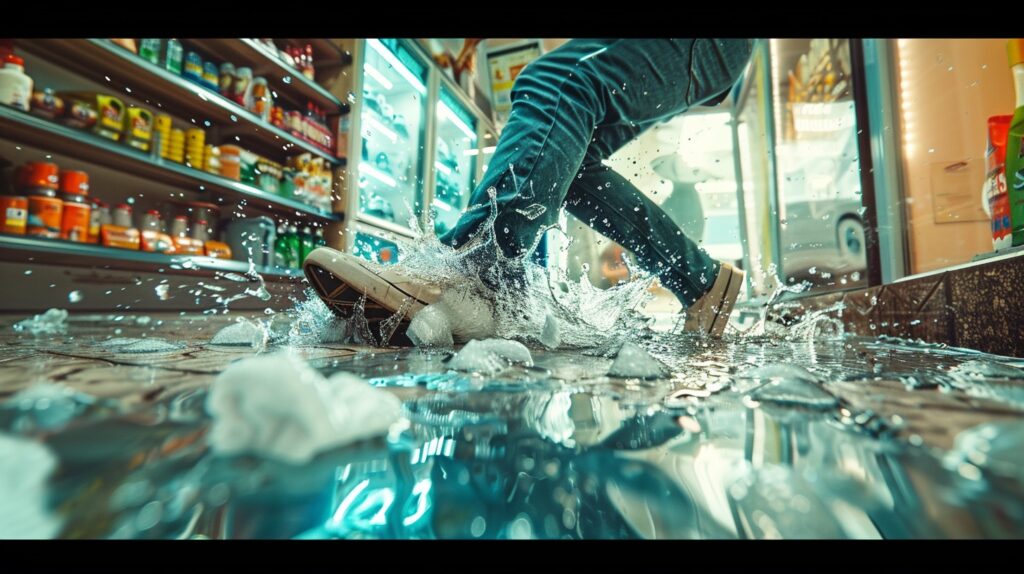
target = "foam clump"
x: 633, y: 362
x: 431, y: 328
x: 52, y: 322
x: 277, y: 406
x: 137, y: 345
x: 25, y: 467
x: 243, y: 332
x: 490, y: 356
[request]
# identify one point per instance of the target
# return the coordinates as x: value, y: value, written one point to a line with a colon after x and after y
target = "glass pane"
x: 953, y: 96
x: 454, y: 161
x: 390, y: 170
x: 755, y: 165
x: 821, y: 224
x: 376, y: 249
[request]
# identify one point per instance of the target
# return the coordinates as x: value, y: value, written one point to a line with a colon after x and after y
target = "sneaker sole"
x: 341, y: 280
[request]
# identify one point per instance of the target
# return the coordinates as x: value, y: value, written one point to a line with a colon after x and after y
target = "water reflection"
x: 726, y: 448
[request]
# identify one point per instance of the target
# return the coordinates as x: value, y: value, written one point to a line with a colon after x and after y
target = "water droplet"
x: 75, y: 296
x: 28, y: 272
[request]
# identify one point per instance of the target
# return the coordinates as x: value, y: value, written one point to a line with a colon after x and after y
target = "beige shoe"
x: 710, y: 314
x: 341, y: 279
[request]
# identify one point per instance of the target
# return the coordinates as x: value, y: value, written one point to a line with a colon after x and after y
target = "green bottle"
x: 294, y: 247
x: 1014, y: 162
x: 281, y: 255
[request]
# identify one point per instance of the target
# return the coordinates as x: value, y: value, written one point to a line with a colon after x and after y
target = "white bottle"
x: 15, y: 85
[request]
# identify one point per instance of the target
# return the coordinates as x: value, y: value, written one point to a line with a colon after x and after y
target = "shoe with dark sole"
x: 710, y: 314
x: 341, y: 280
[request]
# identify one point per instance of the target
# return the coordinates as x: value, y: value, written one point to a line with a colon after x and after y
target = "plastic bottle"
x: 15, y: 84
x: 173, y: 56
x: 294, y: 247
x: 282, y: 257
x: 307, y: 241
x: 1014, y: 162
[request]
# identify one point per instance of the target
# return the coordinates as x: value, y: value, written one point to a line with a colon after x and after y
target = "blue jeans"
x: 574, y: 107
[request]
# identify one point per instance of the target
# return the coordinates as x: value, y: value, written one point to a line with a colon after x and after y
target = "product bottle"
x: 1014, y: 162
x: 294, y: 248
x: 281, y: 256
x: 173, y: 56
x: 15, y: 85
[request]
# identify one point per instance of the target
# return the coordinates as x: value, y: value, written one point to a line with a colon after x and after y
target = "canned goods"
x: 193, y: 68
x: 13, y: 214
x: 39, y: 174
x: 231, y: 162
x: 260, y: 101
x: 45, y: 214
x: 75, y: 220
x: 211, y: 75
x: 74, y: 182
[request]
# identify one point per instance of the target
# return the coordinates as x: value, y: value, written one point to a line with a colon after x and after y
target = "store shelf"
x: 38, y: 250
x: 165, y: 90
x: 247, y: 52
x: 27, y: 129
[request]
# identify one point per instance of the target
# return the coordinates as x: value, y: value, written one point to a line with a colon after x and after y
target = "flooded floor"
x: 749, y: 437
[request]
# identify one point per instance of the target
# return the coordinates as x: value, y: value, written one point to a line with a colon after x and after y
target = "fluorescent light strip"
x: 489, y: 149
x: 443, y: 168
x: 376, y: 75
x: 444, y: 111
x: 374, y: 124
x: 390, y: 58
x: 473, y: 151
x: 441, y: 205
x: 377, y: 174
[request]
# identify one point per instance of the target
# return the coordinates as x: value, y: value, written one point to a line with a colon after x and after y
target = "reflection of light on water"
x: 339, y: 515
x: 421, y: 489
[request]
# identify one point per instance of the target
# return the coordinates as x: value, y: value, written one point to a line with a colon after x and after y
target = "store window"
x: 817, y: 168
x: 950, y: 91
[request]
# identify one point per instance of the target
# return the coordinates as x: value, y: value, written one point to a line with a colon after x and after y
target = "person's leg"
x: 614, y: 87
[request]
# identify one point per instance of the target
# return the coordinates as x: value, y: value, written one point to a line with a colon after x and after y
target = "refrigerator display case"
x: 455, y: 156
x: 393, y: 126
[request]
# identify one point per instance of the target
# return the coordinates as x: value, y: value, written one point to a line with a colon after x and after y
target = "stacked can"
x: 194, y: 148
x: 176, y: 146
x: 75, y: 222
x: 211, y: 159
x: 39, y: 181
x: 162, y: 126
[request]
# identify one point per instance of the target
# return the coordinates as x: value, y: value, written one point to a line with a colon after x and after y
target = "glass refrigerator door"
x: 454, y: 161
x: 393, y: 126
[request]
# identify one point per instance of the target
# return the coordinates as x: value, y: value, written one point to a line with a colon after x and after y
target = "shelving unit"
x: 39, y: 250
x: 31, y: 130
x: 129, y: 73
x: 107, y: 67
x: 251, y: 53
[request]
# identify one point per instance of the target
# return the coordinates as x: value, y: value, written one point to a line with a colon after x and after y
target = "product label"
x: 15, y: 216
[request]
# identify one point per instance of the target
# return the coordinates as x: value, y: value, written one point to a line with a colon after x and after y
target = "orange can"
x: 75, y: 220
x: 74, y: 182
x: 45, y: 214
x: 13, y: 214
x: 39, y: 174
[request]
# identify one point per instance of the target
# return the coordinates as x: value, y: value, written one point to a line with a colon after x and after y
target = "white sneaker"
x: 341, y: 279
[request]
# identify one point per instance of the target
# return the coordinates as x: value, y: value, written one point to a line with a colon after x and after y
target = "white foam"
x: 137, y: 345
x: 242, y: 332
x: 490, y: 356
x: 49, y: 405
x: 25, y: 467
x: 52, y: 322
x: 431, y: 328
x: 277, y: 406
x: 634, y: 362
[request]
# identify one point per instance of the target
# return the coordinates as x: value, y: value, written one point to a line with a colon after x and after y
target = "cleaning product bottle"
x: 995, y: 202
x: 1014, y: 162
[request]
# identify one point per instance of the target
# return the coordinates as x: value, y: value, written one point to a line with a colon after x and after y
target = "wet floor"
x: 751, y: 437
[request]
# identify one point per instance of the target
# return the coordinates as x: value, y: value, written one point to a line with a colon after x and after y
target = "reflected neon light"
x: 377, y: 174
x: 444, y: 111
x: 376, y: 75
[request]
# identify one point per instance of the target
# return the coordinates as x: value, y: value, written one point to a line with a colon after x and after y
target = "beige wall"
x: 948, y: 89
